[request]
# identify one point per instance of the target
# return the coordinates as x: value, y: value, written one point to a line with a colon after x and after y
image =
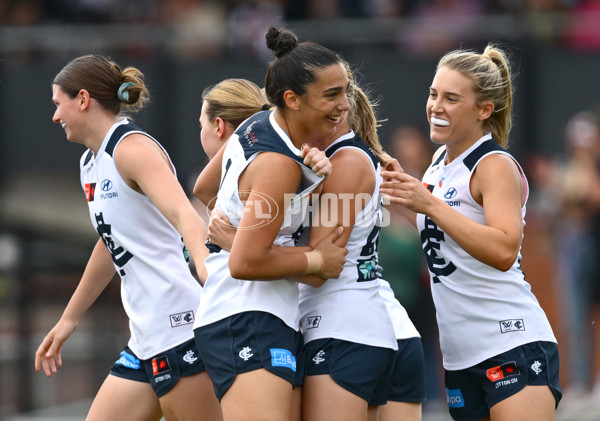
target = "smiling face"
x: 455, y: 118
x: 325, y: 101
x: 66, y: 113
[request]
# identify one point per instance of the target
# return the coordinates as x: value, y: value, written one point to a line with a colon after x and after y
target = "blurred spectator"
x: 333, y: 9
x: 198, y: 27
x: 99, y: 11
x: 441, y: 25
x: 83, y: 11
x: 21, y: 12
x: 572, y: 184
x: 410, y: 145
x: 541, y: 19
x: 385, y: 8
x: 248, y: 23
x: 322, y: 9
x: 583, y: 31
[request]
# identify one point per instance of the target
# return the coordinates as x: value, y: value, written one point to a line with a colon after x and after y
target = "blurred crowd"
x: 431, y: 26
x: 566, y: 197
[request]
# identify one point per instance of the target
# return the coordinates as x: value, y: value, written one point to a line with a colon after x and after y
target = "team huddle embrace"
x: 288, y: 316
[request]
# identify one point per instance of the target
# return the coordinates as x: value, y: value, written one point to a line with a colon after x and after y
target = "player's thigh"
x: 192, y: 395
x: 325, y: 400
x: 531, y: 403
x: 296, y: 404
x: 258, y: 395
x: 120, y: 399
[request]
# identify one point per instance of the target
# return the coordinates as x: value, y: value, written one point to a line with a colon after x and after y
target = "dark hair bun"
x: 280, y: 41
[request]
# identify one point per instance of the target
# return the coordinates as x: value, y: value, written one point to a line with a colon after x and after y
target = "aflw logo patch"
x: 180, y: 319
x: 512, y: 325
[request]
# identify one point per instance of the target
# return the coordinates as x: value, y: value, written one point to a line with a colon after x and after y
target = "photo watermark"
x: 323, y: 210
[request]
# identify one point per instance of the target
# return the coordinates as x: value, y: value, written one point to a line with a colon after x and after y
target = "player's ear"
x: 486, y: 110
x: 291, y: 100
x: 83, y: 98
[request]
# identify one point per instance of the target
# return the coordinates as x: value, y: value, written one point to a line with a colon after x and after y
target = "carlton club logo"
x: 246, y: 353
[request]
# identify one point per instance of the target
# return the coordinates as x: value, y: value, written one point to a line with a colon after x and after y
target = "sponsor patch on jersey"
x: 283, y: 358
x: 312, y: 322
x: 450, y: 193
x: 249, y: 135
x: 106, y: 185
x: 90, y: 189
x: 368, y: 270
x: 455, y: 398
x: 181, y: 319
x: 160, y: 365
x: 128, y: 360
x: 512, y: 325
x: 502, y: 371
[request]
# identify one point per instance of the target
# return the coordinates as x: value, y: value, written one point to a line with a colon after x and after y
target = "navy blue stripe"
x: 439, y: 158
x: 88, y: 157
x: 257, y: 135
x: 489, y: 145
x: 119, y: 132
x: 356, y: 142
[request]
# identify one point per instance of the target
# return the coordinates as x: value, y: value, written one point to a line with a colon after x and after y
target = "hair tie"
x: 122, y: 94
x: 288, y: 48
x: 266, y: 107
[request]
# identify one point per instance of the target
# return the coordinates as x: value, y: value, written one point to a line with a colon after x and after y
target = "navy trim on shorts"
x: 246, y: 342
x: 358, y: 368
x: 163, y: 370
x: 407, y: 380
x: 473, y: 391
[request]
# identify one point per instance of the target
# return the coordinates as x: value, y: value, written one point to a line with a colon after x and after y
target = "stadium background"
x: 182, y: 46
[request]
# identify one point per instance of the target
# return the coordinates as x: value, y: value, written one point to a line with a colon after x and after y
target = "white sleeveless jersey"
x: 223, y: 295
x: 351, y: 307
x: 481, y: 311
x: 158, y: 291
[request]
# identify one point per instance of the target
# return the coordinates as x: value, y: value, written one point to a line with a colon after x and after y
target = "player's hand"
x: 316, y: 160
x: 48, y: 354
x: 220, y: 231
x: 333, y: 255
x: 406, y: 190
x: 394, y: 165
